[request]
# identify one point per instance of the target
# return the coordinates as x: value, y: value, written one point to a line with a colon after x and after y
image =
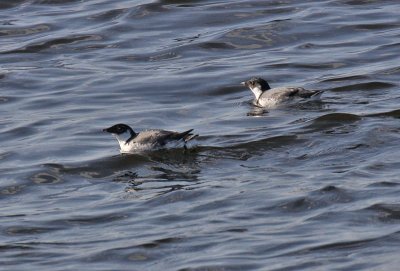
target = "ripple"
x: 334, y: 123
x: 312, y: 66
x: 150, y: 9
x: 95, y: 220
x: 109, y: 14
x: 267, y: 143
x: 164, y: 56
x: 384, y: 184
x: 5, y: 155
x: 364, y: 86
x: 345, y: 78
x: 11, y: 190
x: 10, y: 4
x: 126, y: 177
x: 376, y: 26
x: 100, y: 168
x: 320, y: 198
x: 54, y: 44
x: 338, y: 117
x: 250, y: 38
x: 55, y: 2
x: 45, y: 178
x: 389, y: 71
x: 24, y: 31
x: 392, y: 114
x: 346, y: 245
x: 8, y: 99
x: 225, y: 90
x: 19, y: 132
x: 188, y: 39
x: 216, y: 45
x: 386, y: 212
x: 15, y: 230
x: 136, y: 252
x: 7, y: 248
x: 153, y: 57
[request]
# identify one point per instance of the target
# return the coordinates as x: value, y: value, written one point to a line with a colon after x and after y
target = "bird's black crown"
x: 118, y: 129
x: 258, y: 82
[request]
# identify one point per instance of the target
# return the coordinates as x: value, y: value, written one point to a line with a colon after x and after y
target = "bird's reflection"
x: 169, y: 171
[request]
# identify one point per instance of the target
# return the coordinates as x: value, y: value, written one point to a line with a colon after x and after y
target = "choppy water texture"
x: 313, y: 186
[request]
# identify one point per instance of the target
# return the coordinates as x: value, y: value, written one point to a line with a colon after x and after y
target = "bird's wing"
x: 303, y: 93
x: 162, y: 137
x: 185, y: 136
x: 151, y: 137
x: 281, y: 93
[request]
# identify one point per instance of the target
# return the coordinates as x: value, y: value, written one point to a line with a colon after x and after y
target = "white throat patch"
x: 257, y: 92
x: 122, y: 138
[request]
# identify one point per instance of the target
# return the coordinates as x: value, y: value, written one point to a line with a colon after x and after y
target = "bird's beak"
x: 243, y: 83
x: 105, y: 130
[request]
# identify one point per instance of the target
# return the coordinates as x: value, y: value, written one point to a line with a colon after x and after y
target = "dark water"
x: 313, y: 186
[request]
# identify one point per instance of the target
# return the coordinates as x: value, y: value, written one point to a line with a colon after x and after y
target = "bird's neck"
x: 125, y: 138
x: 257, y: 92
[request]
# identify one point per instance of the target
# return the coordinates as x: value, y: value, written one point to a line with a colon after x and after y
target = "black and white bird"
x: 272, y: 97
x: 131, y: 142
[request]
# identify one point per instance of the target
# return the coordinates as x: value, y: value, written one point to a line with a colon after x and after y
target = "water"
x: 312, y: 186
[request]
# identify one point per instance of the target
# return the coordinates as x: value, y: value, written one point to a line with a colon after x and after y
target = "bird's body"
x: 131, y: 142
x: 265, y: 96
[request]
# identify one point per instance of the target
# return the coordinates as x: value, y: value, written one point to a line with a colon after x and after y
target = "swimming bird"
x: 271, y: 97
x: 130, y: 141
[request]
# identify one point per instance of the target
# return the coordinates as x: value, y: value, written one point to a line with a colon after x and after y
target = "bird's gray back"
x: 281, y: 93
x: 153, y: 137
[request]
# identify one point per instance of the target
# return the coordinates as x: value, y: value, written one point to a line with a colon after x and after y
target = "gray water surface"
x: 310, y: 186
